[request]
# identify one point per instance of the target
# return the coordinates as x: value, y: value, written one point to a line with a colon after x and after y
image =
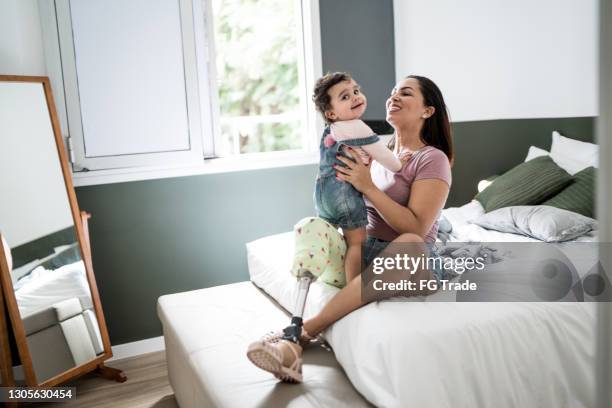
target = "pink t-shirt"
x: 426, y: 163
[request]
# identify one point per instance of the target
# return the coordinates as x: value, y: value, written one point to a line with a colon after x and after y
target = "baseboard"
x: 136, y: 348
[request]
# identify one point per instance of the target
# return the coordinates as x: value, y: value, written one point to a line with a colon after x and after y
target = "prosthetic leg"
x: 319, y: 254
x: 293, y: 332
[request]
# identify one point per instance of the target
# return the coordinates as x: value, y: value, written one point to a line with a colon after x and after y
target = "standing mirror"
x: 47, y: 278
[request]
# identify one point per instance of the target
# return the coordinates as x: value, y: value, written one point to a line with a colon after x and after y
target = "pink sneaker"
x: 280, y: 357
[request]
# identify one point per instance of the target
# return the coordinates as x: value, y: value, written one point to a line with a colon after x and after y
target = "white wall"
x: 36, y: 203
x: 500, y: 59
x: 34, y: 199
x: 21, y: 47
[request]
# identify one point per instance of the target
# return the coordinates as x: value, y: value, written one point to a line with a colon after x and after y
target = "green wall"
x: 490, y: 147
x: 155, y: 237
x: 357, y: 37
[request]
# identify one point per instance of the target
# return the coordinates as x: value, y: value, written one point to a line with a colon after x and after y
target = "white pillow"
x: 543, y: 222
x: 576, y: 150
x: 569, y: 164
x: 535, y: 152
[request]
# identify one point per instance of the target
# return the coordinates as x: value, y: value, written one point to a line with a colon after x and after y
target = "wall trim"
x: 137, y: 348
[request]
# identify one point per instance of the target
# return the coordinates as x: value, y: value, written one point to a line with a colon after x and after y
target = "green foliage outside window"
x: 257, y: 73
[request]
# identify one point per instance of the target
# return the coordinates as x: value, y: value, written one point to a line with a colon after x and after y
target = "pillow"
x: 536, y: 152
x: 541, y: 222
x: 583, y: 152
x: 526, y: 184
x: 579, y: 196
x: 18, y: 273
x: 482, y: 184
x: 568, y: 164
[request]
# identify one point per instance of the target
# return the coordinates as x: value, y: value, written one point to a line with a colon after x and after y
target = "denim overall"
x: 337, y: 201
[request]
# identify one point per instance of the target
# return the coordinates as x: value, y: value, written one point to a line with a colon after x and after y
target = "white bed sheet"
x: 43, y: 288
x: 441, y: 354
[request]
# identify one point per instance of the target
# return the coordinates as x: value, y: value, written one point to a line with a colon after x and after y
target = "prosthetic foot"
x: 282, y: 355
x: 319, y: 254
x: 293, y: 332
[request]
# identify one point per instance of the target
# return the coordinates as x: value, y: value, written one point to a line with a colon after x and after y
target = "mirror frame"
x: 83, y: 240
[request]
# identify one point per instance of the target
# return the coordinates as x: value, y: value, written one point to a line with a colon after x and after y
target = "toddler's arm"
x: 383, y: 155
x: 350, y: 129
x: 357, y: 129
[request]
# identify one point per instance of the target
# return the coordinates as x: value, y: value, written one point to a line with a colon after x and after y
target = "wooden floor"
x: 147, y: 386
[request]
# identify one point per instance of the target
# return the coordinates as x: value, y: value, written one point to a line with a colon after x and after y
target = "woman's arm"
x: 427, y: 197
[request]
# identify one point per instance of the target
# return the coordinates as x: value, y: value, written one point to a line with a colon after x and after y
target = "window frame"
x: 196, y: 104
x: 309, y: 64
x: 310, y: 68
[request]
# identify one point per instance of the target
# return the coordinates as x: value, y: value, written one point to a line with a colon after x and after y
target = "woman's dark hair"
x: 436, y: 130
x: 320, y: 95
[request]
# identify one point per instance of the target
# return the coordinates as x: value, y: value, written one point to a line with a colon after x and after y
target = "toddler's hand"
x: 405, y: 157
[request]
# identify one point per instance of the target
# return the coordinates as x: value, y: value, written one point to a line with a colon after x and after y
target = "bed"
x: 421, y: 351
x: 424, y: 352
x: 41, y: 283
x: 54, y: 301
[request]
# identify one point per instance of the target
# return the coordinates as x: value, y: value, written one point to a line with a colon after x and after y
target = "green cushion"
x: 529, y: 183
x: 579, y: 196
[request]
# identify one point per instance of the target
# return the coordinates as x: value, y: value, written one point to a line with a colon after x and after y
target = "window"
x: 258, y: 75
x: 153, y: 84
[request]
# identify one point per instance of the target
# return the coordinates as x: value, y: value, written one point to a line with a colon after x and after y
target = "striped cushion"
x: 529, y: 183
x: 579, y: 196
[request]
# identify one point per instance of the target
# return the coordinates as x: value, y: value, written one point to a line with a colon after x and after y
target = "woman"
x: 402, y: 208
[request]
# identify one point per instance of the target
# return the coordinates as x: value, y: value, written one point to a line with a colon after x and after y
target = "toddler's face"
x: 347, y: 101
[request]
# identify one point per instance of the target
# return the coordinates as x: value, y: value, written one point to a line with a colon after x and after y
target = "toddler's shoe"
x: 282, y: 358
x: 305, y: 339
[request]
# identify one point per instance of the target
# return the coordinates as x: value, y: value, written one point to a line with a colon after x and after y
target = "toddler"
x: 340, y: 100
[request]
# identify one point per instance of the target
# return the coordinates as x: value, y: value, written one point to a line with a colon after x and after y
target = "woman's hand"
x: 355, y: 172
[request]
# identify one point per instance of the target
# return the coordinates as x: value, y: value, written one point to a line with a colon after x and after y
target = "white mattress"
x: 441, y: 354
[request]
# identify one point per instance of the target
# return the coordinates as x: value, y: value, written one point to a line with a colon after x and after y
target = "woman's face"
x: 405, y: 105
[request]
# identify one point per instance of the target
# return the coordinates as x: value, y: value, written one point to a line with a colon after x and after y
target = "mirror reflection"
x: 48, y: 275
